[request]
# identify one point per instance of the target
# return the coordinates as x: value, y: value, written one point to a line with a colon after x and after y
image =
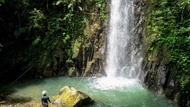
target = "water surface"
x: 107, y: 92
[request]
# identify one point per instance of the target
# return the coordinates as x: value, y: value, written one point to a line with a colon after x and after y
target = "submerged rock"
x: 70, y: 97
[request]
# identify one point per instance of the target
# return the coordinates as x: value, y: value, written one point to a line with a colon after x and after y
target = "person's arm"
x: 49, y: 100
x: 42, y: 101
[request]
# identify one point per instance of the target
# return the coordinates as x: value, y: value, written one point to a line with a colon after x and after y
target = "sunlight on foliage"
x: 171, y: 23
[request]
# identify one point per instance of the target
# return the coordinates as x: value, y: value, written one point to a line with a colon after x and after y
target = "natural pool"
x: 107, y: 92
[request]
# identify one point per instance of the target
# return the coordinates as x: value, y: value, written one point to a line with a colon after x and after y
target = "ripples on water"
x: 107, y: 92
x: 121, y: 84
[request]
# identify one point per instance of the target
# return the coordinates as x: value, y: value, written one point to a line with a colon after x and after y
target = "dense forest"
x: 168, y: 45
x: 35, y: 32
x: 169, y: 24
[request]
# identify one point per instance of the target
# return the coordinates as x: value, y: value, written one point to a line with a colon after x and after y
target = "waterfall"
x: 123, y: 57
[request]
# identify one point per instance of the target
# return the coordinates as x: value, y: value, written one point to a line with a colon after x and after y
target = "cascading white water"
x: 123, y: 52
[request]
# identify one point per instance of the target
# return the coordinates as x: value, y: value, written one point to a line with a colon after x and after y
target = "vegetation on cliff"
x: 35, y: 34
x: 168, y: 27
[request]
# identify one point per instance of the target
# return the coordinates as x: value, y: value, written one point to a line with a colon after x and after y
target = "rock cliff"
x: 160, y: 75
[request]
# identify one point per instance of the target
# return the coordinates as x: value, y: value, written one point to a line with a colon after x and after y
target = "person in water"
x: 45, y: 99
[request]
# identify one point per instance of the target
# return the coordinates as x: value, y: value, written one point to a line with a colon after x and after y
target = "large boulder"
x: 70, y: 97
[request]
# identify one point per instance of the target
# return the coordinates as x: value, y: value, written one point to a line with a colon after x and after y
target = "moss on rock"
x: 70, y: 97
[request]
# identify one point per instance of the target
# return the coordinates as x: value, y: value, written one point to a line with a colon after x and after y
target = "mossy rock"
x: 70, y: 97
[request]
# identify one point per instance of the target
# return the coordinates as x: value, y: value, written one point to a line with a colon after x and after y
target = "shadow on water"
x: 7, y: 89
x: 10, y: 100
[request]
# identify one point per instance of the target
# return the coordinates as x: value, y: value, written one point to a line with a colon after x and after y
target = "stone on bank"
x: 70, y: 97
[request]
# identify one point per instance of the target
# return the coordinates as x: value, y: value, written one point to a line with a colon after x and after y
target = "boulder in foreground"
x: 70, y: 97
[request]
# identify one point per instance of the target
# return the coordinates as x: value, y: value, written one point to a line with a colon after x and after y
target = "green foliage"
x: 170, y: 22
x: 36, y: 31
x: 103, y: 6
x: 2, y: 1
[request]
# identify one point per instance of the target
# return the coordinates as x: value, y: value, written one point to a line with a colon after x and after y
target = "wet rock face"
x: 161, y: 76
x: 158, y: 75
x: 160, y: 79
x: 70, y: 97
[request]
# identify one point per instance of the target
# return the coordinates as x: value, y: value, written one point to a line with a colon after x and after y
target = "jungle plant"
x: 170, y: 23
